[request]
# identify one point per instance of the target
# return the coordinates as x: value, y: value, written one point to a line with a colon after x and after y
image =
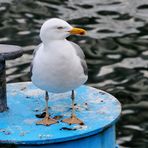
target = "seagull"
x: 58, y: 65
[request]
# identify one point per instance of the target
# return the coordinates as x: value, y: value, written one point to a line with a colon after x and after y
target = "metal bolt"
x: 7, y: 52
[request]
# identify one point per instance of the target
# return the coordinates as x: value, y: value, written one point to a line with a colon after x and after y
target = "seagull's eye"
x: 60, y: 27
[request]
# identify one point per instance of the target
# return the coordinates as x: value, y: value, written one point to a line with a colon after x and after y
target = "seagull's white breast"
x: 57, y: 68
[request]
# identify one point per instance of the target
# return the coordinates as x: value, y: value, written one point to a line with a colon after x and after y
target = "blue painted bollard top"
x: 98, y: 109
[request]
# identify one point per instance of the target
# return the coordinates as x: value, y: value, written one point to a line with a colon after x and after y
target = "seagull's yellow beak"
x: 79, y: 31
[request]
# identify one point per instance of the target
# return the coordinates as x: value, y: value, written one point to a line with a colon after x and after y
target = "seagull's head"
x: 57, y: 29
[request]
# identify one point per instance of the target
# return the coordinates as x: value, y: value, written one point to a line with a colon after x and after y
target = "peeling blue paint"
x: 96, y: 108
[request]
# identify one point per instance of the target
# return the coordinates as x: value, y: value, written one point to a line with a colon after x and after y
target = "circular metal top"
x: 98, y: 109
x: 8, y: 52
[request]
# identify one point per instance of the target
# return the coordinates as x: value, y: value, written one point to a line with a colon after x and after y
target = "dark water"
x: 115, y: 48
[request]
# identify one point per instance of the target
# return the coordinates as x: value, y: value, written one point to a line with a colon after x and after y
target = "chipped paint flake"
x: 30, y: 121
x: 34, y: 92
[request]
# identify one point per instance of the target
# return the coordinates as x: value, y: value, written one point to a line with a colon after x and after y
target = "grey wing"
x: 80, y: 53
x: 34, y: 53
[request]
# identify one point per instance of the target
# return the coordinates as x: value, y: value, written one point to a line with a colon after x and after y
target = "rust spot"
x: 42, y: 115
x: 28, y: 97
x: 81, y: 123
x: 58, y: 117
x: 102, y: 93
x: 68, y: 129
x: 23, y: 88
x: 5, y: 131
x: 36, y: 110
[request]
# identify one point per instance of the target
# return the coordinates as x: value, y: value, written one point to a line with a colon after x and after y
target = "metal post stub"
x: 3, y: 100
x: 7, y: 52
x: 97, y: 109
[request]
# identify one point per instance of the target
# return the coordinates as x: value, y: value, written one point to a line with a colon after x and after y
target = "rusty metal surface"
x: 96, y: 108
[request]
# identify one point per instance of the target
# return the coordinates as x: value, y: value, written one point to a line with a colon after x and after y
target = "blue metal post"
x: 98, y: 109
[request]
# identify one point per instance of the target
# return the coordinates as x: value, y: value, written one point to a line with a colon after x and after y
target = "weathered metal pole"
x: 3, y: 97
x: 7, y: 52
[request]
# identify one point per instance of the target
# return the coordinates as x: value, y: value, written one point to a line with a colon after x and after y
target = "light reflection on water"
x: 115, y: 48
